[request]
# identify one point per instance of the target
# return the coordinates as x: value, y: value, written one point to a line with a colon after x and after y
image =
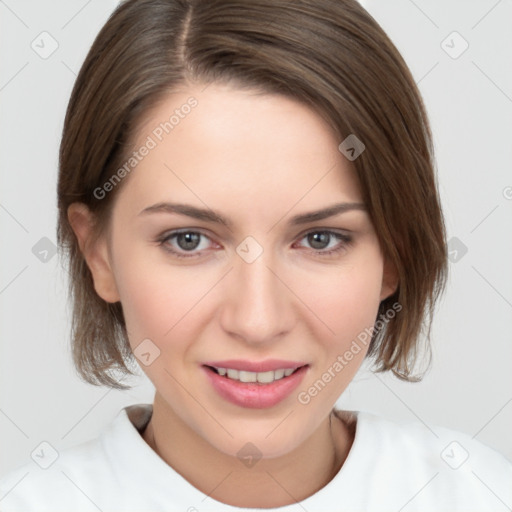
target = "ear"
x: 95, y: 252
x: 389, y: 280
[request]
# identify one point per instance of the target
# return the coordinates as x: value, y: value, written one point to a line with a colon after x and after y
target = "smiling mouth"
x: 247, y: 377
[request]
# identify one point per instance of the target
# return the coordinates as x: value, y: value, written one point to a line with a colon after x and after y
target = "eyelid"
x: 316, y: 229
x: 344, y: 240
x: 167, y: 235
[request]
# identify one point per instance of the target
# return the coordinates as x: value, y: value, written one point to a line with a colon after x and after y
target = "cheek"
x: 160, y: 300
x: 155, y: 297
x: 348, y: 304
x: 347, y: 298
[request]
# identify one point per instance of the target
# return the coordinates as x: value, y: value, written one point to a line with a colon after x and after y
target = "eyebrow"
x: 209, y: 215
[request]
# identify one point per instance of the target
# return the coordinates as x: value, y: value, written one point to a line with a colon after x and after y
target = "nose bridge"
x: 256, y: 309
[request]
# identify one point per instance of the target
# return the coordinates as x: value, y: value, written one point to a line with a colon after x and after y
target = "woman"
x: 248, y: 202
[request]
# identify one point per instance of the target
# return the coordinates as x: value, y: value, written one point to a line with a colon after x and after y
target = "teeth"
x: 261, y: 377
x: 265, y: 377
x: 279, y: 374
x: 233, y: 374
x: 248, y: 376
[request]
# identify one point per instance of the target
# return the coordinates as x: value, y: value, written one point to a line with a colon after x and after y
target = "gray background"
x: 469, y: 99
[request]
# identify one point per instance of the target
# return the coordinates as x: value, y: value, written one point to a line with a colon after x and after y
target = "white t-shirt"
x: 390, y: 467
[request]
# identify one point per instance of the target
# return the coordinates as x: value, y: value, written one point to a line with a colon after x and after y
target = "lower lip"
x: 253, y: 395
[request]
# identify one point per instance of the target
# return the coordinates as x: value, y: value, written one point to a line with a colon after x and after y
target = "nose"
x: 258, y: 307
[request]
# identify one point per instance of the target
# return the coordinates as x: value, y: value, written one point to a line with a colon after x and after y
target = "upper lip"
x: 256, y: 366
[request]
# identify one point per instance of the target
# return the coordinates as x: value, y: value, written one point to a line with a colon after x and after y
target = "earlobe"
x: 389, y: 280
x: 94, y: 251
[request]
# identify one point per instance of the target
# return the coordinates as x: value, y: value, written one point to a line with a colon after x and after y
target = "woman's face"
x: 270, y: 283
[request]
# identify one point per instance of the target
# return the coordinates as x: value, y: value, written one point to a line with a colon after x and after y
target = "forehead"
x: 238, y: 148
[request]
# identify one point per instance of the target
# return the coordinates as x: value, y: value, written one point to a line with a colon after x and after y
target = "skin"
x: 258, y: 159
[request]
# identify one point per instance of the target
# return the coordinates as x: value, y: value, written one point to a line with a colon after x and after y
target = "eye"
x: 185, y: 242
x: 320, y: 240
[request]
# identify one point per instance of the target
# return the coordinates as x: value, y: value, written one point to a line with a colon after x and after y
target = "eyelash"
x: 345, y: 239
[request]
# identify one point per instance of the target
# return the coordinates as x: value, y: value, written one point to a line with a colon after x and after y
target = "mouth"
x: 255, y: 385
x: 254, y: 377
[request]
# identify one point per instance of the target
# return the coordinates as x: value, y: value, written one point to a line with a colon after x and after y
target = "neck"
x: 270, y: 483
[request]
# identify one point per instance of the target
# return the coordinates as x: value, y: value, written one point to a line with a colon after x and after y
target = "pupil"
x: 191, y: 240
x: 188, y: 241
x: 321, y: 238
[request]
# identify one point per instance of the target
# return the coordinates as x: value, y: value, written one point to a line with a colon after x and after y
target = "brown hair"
x: 329, y: 54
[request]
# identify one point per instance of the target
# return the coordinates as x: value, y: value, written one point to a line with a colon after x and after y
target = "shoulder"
x: 64, y: 476
x: 79, y: 478
x: 423, y: 442
x: 51, y: 474
x: 432, y: 466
